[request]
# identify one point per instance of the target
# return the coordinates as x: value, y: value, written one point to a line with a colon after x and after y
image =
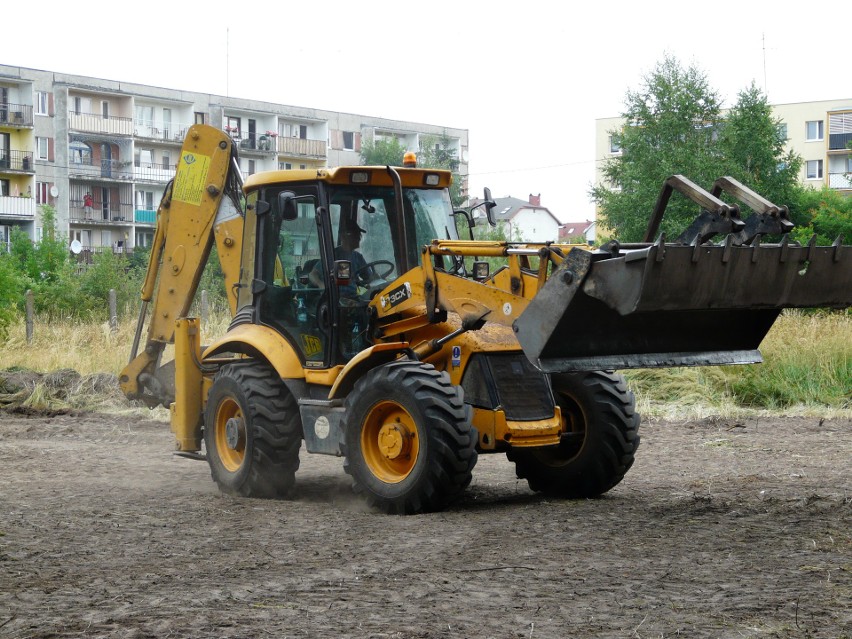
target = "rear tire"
x: 252, y: 432
x: 409, y: 442
x: 603, y: 435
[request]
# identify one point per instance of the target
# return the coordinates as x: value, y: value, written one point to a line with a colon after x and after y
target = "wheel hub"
x: 234, y: 432
x: 394, y: 440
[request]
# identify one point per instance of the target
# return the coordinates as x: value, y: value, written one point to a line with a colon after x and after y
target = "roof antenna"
x: 227, y: 61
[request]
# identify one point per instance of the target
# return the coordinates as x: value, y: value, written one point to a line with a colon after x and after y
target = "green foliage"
x: 754, y: 149
x: 10, y: 287
x: 825, y: 213
x: 382, y: 152
x: 436, y: 152
x: 674, y: 126
x: 108, y: 271
x: 46, y: 269
x: 46, y: 260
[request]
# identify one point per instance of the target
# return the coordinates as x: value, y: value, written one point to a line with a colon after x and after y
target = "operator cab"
x: 327, y: 247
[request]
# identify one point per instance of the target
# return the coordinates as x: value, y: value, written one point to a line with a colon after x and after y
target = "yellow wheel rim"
x: 230, y: 435
x: 390, y: 442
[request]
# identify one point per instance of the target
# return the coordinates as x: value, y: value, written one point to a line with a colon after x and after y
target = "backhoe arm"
x: 193, y: 211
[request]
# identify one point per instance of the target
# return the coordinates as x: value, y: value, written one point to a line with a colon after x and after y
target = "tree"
x: 436, y: 152
x: 675, y: 125
x: 752, y: 143
x: 670, y: 125
x: 382, y: 152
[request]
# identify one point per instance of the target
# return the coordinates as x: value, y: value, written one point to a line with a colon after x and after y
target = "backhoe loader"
x: 408, y: 351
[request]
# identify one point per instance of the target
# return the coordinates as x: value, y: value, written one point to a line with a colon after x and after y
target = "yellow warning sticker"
x: 190, y: 178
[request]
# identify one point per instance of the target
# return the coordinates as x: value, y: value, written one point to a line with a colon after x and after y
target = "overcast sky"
x: 527, y: 79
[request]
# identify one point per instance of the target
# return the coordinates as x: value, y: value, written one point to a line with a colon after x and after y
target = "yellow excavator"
x: 363, y: 327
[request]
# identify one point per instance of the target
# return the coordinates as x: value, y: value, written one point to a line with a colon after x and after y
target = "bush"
x: 826, y: 214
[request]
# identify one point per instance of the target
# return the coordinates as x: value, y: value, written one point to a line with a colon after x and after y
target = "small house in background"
x: 524, y: 220
x: 575, y: 232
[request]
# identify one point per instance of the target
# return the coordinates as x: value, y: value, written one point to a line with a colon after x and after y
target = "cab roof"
x: 361, y: 175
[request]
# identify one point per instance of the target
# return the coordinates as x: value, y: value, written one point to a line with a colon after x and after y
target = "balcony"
x: 145, y: 216
x: 11, y: 206
x: 842, y: 181
x: 16, y: 162
x: 97, y: 123
x: 302, y: 148
x: 150, y: 172
x: 839, y: 141
x: 16, y: 115
x: 260, y: 143
x: 105, y: 169
x: 111, y: 214
x: 160, y: 131
x: 87, y: 254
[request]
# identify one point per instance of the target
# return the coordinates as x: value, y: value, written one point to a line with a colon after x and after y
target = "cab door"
x: 291, y: 301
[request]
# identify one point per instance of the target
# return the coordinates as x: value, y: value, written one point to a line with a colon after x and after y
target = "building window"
x: 251, y: 167
x: 814, y: 130
x: 199, y: 117
x: 105, y: 109
x: 284, y: 166
x: 4, y: 188
x: 814, y: 170
x: 41, y: 103
x: 782, y: 132
x: 303, y: 166
x: 42, y: 189
x: 232, y: 126
x: 614, y: 146
x: 41, y: 148
x: 167, y: 161
x: 349, y: 140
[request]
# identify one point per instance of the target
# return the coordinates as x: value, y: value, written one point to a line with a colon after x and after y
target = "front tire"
x: 252, y: 432
x: 409, y: 442
x: 600, y: 440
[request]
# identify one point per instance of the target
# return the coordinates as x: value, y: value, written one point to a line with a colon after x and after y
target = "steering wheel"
x: 362, y: 273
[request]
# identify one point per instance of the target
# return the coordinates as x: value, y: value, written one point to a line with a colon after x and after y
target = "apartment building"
x: 820, y: 132
x: 101, y: 152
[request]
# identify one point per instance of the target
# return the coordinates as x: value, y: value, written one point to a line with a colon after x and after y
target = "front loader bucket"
x: 673, y: 305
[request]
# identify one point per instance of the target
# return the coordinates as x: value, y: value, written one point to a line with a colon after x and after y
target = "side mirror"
x: 489, y: 204
x: 287, y: 205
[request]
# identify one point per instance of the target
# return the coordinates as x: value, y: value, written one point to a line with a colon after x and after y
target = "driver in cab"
x: 347, y: 249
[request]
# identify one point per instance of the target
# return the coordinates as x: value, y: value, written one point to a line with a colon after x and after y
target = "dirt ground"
x: 723, y: 528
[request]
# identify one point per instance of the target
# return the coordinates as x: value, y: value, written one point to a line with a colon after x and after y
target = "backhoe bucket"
x: 666, y: 305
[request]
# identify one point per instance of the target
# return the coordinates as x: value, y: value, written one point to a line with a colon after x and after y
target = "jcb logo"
x: 397, y: 295
x: 311, y: 344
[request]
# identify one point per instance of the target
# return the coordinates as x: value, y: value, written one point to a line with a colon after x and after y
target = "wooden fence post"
x: 204, y: 308
x: 113, y: 313
x: 30, y: 314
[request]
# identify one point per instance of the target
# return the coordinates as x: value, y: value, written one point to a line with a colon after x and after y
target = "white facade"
x: 66, y: 140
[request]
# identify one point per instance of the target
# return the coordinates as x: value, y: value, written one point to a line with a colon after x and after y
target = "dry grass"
x: 807, y: 369
x: 85, y: 348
